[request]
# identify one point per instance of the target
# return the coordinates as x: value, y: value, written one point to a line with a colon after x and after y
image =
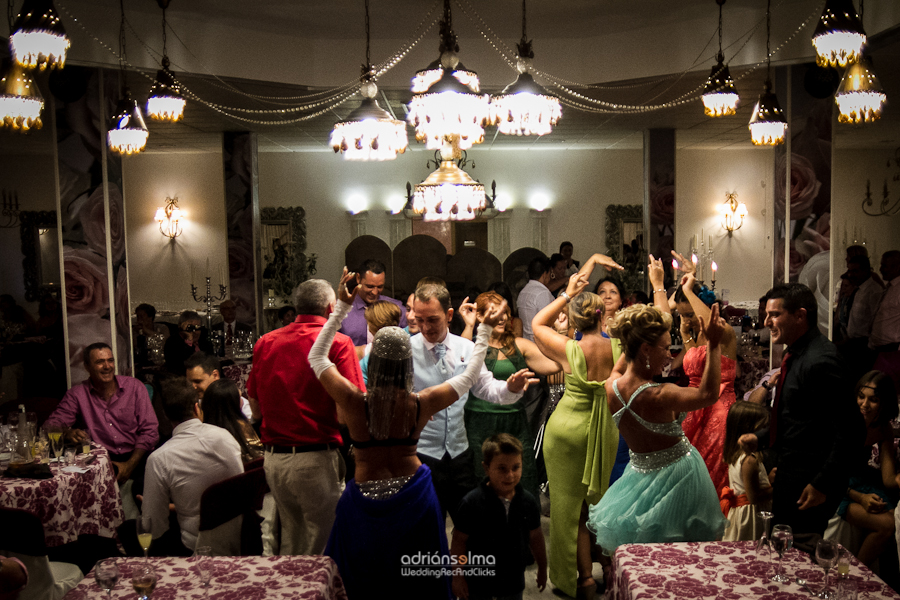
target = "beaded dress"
x: 663, y: 496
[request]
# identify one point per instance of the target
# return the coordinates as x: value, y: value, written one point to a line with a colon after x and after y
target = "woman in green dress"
x: 506, y: 354
x: 581, y: 438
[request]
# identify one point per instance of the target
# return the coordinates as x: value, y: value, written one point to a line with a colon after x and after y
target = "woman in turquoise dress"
x: 506, y: 354
x: 580, y: 439
x: 665, y: 494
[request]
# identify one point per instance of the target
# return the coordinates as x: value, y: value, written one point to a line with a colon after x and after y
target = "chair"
x: 229, y: 522
x: 23, y: 538
x: 256, y: 463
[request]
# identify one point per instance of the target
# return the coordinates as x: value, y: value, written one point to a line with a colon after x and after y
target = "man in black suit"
x: 816, y: 427
x: 230, y: 328
x: 192, y: 337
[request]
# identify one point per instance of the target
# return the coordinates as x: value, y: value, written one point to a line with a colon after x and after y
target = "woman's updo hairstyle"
x: 706, y: 295
x: 639, y: 324
x: 585, y: 311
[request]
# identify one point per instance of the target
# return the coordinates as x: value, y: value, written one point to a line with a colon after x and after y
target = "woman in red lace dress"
x: 705, y: 428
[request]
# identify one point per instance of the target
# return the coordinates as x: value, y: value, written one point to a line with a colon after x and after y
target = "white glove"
x: 465, y: 380
x: 318, y: 354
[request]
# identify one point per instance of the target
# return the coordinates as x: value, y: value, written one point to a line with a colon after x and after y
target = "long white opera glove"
x: 318, y: 354
x: 465, y: 380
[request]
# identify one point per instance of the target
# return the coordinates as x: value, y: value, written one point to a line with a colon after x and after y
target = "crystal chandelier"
x: 524, y: 107
x: 768, y: 125
x: 127, y: 133
x: 860, y: 97
x: 839, y: 36
x: 39, y: 38
x: 720, y: 98
x: 449, y: 110
x: 165, y: 102
x: 448, y: 193
x: 369, y: 132
x: 20, y: 100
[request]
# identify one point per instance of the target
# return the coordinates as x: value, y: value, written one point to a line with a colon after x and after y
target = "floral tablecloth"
x: 724, y: 571
x: 233, y: 578
x: 239, y: 372
x: 70, y: 504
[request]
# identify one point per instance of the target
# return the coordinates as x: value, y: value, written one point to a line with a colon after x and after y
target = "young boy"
x: 496, y: 524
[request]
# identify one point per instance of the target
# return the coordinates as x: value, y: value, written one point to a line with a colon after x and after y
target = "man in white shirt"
x: 885, y: 335
x: 197, y: 456
x: 535, y: 295
x: 863, y: 303
x: 201, y: 369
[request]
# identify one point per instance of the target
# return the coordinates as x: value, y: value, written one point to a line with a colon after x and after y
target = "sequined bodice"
x: 645, y: 462
x: 672, y: 429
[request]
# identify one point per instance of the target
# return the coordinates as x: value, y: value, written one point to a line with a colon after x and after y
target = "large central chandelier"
x: 20, y: 100
x: 839, y: 36
x: 449, y: 111
x: 165, y: 101
x: 768, y: 125
x: 524, y: 107
x: 369, y: 132
x: 38, y: 37
x: 720, y: 98
x: 448, y: 193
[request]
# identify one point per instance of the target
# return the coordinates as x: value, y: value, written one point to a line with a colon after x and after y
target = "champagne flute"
x: 145, y: 534
x: 826, y: 556
x: 106, y: 573
x: 782, y: 540
x: 143, y: 580
x: 55, y: 433
x: 763, y: 546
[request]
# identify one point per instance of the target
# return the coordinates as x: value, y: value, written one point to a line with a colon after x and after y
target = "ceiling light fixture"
x: 369, y: 132
x: 768, y: 125
x: 449, y: 193
x: 524, y: 107
x: 38, y: 37
x: 449, y: 111
x: 20, y: 100
x: 165, y: 101
x: 127, y: 132
x: 860, y: 96
x: 720, y: 97
x: 839, y: 36
x: 169, y: 218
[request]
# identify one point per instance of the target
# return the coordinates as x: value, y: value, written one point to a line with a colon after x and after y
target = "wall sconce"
x: 169, y: 218
x: 733, y: 213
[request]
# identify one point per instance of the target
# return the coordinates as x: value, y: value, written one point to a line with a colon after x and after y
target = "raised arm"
x: 657, y: 276
x: 549, y: 342
x: 469, y: 313
x: 535, y: 360
x: 602, y: 260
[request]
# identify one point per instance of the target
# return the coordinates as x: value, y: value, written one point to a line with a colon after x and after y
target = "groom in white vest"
x: 438, y: 355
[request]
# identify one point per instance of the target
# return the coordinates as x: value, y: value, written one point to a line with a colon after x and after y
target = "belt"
x: 299, y: 449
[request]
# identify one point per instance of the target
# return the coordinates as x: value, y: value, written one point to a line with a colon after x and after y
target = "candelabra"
x: 9, y: 215
x: 208, y: 298
x: 701, y: 258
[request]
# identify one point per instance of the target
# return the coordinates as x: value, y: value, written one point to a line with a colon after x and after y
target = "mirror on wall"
x: 40, y: 247
x: 283, y: 258
x: 625, y: 243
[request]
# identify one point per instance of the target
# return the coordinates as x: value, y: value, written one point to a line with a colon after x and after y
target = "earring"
x: 648, y: 362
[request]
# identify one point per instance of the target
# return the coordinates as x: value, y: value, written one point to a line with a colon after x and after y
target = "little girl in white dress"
x: 749, y: 490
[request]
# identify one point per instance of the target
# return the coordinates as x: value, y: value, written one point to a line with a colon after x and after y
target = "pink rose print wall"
x: 239, y: 154
x: 97, y: 306
x: 660, y: 201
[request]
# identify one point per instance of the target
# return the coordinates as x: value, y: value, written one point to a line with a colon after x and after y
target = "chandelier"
x: 767, y: 124
x: 524, y: 107
x: 127, y: 132
x: 860, y: 97
x: 38, y: 37
x: 20, y: 100
x: 449, y: 110
x: 369, y: 132
x: 165, y: 101
x: 839, y: 36
x: 720, y: 98
x: 448, y: 193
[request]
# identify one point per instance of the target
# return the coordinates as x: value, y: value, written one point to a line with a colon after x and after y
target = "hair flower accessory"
x: 706, y: 295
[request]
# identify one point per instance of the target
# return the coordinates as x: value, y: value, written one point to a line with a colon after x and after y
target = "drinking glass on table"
x: 55, y: 433
x: 145, y: 534
x: 143, y: 580
x: 763, y: 546
x: 31, y: 420
x: 782, y: 540
x: 827, y: 557
x: 204, y: 564
x: 106, y: 573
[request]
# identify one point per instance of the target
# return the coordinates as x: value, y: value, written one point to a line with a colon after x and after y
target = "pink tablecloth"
x: 233, y: 578
x: 722, y: 570
x: 70, y: 504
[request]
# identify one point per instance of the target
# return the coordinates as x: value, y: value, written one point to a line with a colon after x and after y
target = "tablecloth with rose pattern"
x: 70, y: 504
x: 722, y: 570
x: 233, y: 578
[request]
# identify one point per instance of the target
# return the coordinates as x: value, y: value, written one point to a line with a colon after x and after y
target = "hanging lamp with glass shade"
x: 165, y: 101
x: 448, y: 193
x: 768, y: 125
x: 720, y: 98
x: 369, y: 132
x: 860, y: 96
x: 38, y: 37
x: 524, y: 107
x: 127, y: 133
x: 448, y: 109
x: 839, y: 36
x: 20, y: 100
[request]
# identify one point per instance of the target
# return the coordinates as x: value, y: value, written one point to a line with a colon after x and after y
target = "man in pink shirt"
x: 115, y: 409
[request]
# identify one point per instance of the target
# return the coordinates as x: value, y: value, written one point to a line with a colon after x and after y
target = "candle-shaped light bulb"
x: 694, y: 259
x: 675, y: 265
x: 714, y: 267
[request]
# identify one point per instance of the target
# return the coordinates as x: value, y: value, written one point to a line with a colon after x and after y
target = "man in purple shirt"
x: 115, y: 409
x: 370, y: 278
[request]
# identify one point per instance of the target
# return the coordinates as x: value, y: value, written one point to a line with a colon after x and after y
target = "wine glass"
x: 145, y: 534
x: 763, y: 546
x: 106, y: 573
x: 204, y: 564
x: 826, y: 556
x: 782, y: 540
x: 143, y: 580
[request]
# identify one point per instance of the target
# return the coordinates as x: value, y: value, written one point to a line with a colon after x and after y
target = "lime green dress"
x: 484, y: 419
x: 579, y: 449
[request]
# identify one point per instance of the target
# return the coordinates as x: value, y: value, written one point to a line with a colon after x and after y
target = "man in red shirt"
x: 299, y: 427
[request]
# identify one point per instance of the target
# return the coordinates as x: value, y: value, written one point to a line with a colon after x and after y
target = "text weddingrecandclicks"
x: 436, y: 564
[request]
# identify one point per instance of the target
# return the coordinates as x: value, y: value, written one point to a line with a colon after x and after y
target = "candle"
x: 694, y: 259
x: 675, y: 265
x: 710, y: 244
x: 714, y: 267
x: 207, y: 268
x: 193, y: 279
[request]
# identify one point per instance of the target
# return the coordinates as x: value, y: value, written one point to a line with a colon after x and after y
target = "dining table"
x: 77, y: 500
x: 725, y: 571
x: 232, y: 578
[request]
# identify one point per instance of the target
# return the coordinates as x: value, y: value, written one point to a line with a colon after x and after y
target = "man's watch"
x: 766, y: 385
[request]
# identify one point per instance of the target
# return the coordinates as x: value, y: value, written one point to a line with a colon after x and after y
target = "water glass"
x: 827, y: 557
x: 69, y: 456
x: 203, y: 554
x: 143, y: 580
x: 782, y: 540
x: 106, y: 574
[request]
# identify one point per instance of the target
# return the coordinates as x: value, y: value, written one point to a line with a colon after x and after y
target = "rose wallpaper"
x: 661, y: 192
x: 238, y: 156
